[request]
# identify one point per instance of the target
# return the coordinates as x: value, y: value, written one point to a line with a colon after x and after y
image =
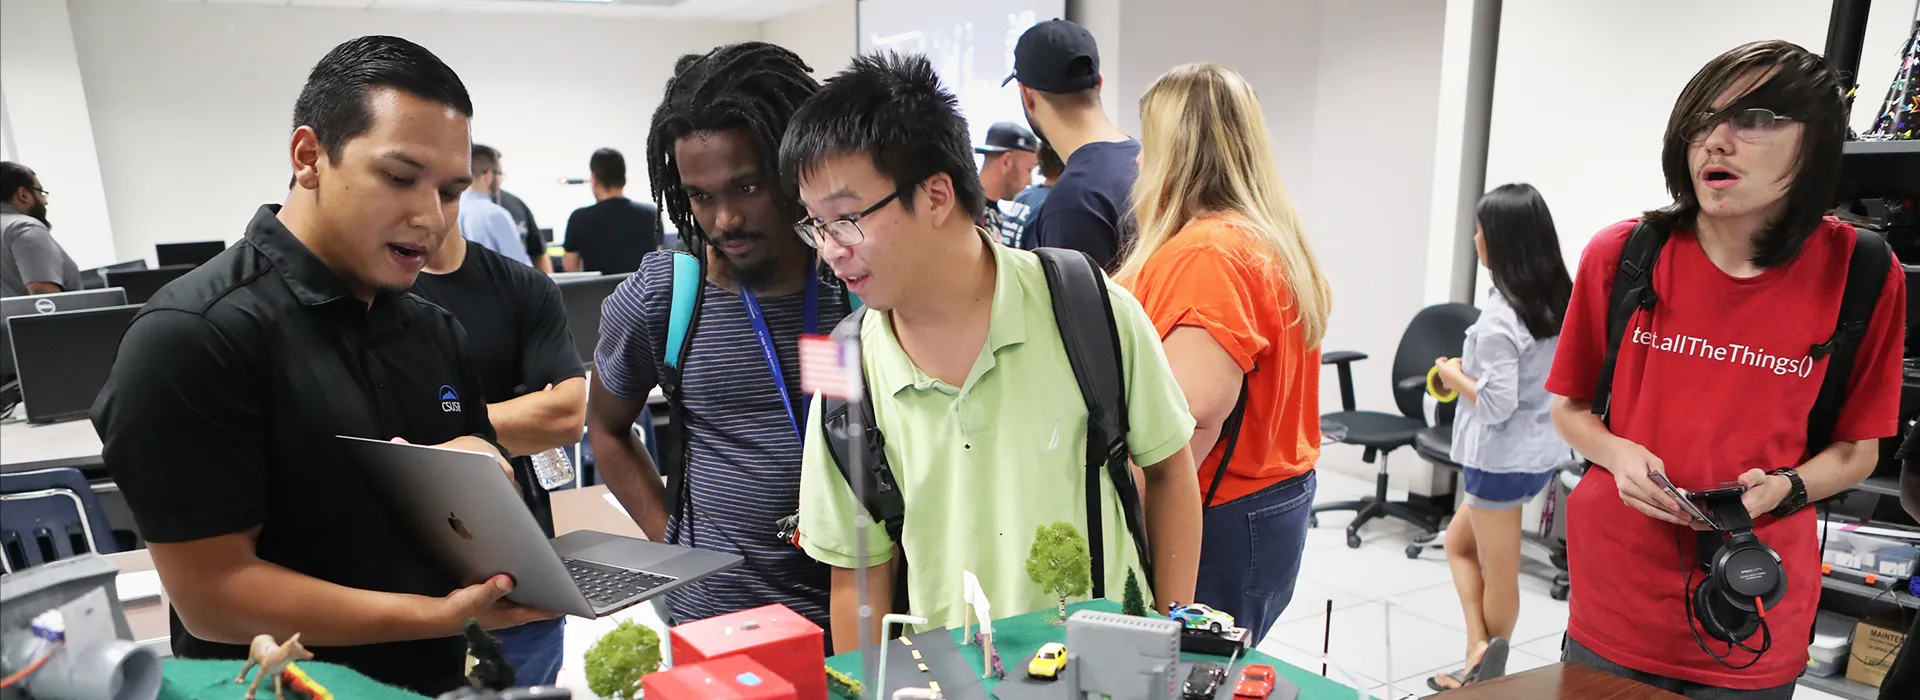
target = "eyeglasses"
x: 845, y: 230
x: 1749, y: 124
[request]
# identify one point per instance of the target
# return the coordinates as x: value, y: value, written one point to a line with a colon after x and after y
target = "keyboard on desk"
x: 608, y: 585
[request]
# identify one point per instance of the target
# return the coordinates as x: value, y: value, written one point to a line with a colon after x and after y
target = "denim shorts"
x: 1504, y: 490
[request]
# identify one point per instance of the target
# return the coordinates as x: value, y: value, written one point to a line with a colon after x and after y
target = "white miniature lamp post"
x: 886, y: 634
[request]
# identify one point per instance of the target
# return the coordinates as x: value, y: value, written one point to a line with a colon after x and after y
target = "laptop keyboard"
x: 606, y: 585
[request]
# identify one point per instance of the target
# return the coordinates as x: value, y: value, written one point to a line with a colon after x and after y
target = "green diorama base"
x: 195, y: 679
x: 1017, y: 638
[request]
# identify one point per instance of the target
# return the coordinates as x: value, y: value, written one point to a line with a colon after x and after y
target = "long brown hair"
x: 1205, y: 151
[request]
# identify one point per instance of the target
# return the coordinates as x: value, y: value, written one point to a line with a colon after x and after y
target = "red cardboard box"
x: 730, y: 678
x: 775, y: 636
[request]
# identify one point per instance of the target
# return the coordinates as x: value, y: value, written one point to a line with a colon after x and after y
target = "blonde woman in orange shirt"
x: 1222, y: 268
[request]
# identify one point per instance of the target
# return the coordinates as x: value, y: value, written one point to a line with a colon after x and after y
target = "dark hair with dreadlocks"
x: 754, y: 86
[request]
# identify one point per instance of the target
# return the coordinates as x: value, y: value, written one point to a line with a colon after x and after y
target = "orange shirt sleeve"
x: 1204, y: 278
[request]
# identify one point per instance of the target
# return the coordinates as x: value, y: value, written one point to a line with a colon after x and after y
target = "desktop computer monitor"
x: 47, y: 304
x: 582, y: 297
x: 190, y: 254
x: 141, y: 285
x: 96, y: 278
x: 63, y: 358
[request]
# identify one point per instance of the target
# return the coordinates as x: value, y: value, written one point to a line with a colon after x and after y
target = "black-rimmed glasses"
x: 844, y: 230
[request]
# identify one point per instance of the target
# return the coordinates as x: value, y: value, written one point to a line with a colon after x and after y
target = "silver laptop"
x: 464, y: 512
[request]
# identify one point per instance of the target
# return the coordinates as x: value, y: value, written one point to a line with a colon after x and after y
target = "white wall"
x: 192, y: 103
x: 1580, y: 115
x: 823, y: 36
x: 46, y: 125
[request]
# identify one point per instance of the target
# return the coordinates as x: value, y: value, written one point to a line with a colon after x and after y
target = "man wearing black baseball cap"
x: 1009, y: 155
x: 1058, y: 67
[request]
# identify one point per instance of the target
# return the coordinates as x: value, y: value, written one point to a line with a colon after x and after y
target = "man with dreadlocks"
x: 712, y: 160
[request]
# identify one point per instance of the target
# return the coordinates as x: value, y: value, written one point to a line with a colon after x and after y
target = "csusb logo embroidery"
x: 449, y: 401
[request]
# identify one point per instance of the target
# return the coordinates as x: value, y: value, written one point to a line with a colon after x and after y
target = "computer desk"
x: 27, y: 447
x: 573, y: 509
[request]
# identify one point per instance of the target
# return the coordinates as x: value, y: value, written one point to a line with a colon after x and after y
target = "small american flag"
x: 830, y: 367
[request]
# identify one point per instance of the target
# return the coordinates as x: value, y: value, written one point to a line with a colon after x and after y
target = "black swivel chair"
x: 1437, y: 331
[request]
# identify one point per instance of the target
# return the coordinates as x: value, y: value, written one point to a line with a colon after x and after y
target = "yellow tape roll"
x: 1434, y: 388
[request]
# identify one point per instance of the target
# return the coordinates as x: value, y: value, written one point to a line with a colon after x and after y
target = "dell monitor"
x: 63, y: 358
x: 582, y: 299
x: 189, y: 254
x: 46, y: 304
x: 96, y: 278
x: 141, y: 285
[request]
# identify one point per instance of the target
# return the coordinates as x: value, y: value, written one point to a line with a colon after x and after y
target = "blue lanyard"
x: 812, y: 321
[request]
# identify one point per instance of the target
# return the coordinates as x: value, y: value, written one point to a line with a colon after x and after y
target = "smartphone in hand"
x: 1683, y: 499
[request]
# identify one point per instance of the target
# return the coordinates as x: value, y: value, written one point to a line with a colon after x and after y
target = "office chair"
x: 49, y: 515
x: 1437, y: 331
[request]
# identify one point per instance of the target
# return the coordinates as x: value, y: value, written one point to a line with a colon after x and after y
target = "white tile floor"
x: 1427, y: 631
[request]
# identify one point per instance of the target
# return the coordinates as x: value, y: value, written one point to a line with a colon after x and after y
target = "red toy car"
x: 1256, y: 682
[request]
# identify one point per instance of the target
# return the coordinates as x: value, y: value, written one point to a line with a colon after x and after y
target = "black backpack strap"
x: 883, y: 501
x: 1229, y: 431
x: 1866, y: 277
x: 1093, y: 348
x: 688, y: 288
x: 1632, y: 291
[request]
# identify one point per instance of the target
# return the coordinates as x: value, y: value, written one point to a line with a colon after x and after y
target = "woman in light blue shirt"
x: 1501, y: 430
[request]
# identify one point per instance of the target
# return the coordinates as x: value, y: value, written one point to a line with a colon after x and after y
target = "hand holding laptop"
x: 487, y: 603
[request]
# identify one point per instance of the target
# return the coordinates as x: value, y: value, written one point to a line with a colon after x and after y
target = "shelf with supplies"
x: 1841, y: 686
x: 1861, y: 590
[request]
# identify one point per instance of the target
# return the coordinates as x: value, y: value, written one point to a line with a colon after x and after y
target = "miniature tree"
x: 616, y: 663
x: 843, y: 685
x: 1134, y: 603
x: 1059, y: 564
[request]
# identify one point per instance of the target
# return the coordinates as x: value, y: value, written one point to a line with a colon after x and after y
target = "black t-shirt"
x: 1087, y: 210
x: 220, y: 415
x: 516, y: 334
x: 523, y: 220
x: 613, y: 235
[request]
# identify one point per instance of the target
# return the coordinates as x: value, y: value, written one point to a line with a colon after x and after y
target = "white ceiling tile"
x: 525, y: 7
x: 430, y: 5
x: 249, y: 2
x: 356, y: 4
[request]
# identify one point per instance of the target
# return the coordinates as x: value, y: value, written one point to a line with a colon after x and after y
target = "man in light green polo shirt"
x: 985, y: 425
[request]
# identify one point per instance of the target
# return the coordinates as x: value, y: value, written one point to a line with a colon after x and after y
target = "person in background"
x: 481, y: 220
x: 534, y: 387
x: 1502, y: 433
x: 1006, y: 169
x: 522, y: 219
x: 1236, y: 294
x: 31, y: 262
x: 1747, y: 284
x: 969, y: 375
x: 1903, y: 678
x: 1058, y: 66
x: 1035, y: 195
x: 218, y: 420
x: 613, y: 234
x: 711, y: 159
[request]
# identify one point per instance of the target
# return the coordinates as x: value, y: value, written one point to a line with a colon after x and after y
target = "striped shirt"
x: 743, y: 474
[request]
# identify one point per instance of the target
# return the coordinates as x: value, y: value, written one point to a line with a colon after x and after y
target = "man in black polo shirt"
x: 220, y: 414
x: 533, y: 384
x: 612, y: 235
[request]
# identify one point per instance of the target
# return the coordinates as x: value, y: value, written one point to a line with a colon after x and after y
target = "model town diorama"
x: 772, y: 653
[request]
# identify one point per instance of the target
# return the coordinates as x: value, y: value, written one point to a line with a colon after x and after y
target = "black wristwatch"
x: 1796, y: 498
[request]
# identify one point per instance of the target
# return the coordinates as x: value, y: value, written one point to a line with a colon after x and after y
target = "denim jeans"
x: 1250, y: 553
x: 535, y: 649
x: 1695, y: 691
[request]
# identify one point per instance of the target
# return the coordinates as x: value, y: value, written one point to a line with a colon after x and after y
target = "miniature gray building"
x: 1120, y: 656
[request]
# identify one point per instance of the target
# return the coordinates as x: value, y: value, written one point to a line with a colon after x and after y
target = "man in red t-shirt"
x: 1715, y: 383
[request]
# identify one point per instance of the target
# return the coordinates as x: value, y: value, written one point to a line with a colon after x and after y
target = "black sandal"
x: 1460, y: 677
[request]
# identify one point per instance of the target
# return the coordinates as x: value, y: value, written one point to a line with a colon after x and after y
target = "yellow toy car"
x: 1048, y: 662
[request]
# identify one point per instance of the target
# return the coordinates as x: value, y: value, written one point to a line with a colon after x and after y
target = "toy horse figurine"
x: 272, y: 659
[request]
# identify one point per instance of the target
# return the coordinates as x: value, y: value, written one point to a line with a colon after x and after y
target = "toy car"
x: 1049, y: 661
x: 1256, y: 682
x: 1197, y: 616
x: 1203, y: 682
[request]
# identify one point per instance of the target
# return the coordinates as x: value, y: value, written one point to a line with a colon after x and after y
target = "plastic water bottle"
x: 553, y: 469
